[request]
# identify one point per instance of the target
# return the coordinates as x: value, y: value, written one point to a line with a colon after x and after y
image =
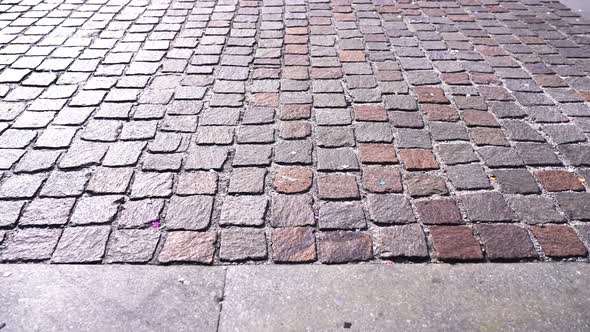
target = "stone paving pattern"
x: 293, y: 131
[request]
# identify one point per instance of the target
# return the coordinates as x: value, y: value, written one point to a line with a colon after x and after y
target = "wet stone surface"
x: 252, y: 132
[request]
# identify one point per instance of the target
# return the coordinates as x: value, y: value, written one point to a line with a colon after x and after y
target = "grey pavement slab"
x: 498, y: 297
x: 371, y: 297
x: 109, y: 298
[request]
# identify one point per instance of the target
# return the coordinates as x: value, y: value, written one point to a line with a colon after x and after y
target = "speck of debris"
x: 347, y: 325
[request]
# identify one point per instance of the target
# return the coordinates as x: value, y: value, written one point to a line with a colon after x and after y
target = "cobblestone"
x: 559, y: 241
x: 439, y: 211
x: 30, y: 244
x: 81, y: 244
x: 293, y: 245
x: 195, y: 247
x: 238, y: 244
x: 10, y: 212
x: 455, y: 243
x: 47, y: 211
x: 293, y: 131
x: 132, y: 245
x: 342, y: 247
x: 406, y: 241
x: 189, y: 213
x: 506, y: 242
x: 290, y: 180
x: 292, y: 210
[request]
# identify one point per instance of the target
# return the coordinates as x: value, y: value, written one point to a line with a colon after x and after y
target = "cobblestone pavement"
x: 293, y: 131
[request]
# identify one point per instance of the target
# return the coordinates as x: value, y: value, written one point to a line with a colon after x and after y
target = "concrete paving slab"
x: 498, y: 297
x: 109, y: 298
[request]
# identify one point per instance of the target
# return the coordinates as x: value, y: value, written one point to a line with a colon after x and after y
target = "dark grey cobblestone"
x: 215, y: 132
